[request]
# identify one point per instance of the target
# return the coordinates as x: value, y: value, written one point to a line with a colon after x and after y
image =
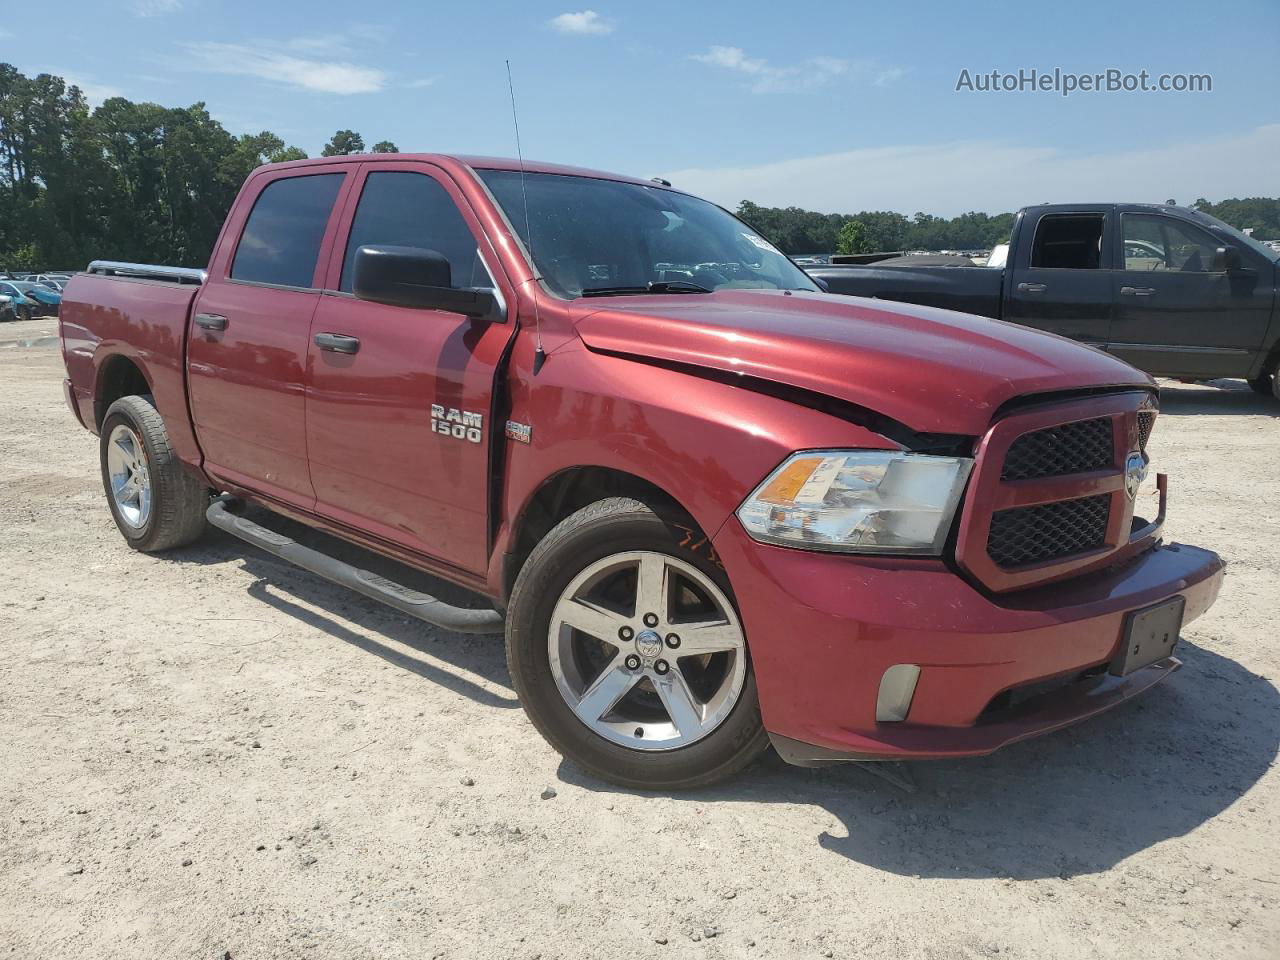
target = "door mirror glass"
x: 1226, y: 259
x: 418, y: 278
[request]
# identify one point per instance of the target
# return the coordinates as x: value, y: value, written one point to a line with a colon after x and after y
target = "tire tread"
x: 180, y: 500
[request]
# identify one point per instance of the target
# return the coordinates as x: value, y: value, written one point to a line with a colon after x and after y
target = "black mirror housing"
x: 418, y: 278
x: 1226, y: 259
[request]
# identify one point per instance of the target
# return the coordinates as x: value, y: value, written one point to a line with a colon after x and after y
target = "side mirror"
x: 822, y: 284
x: 1226, y: 259
x: 418, y: 278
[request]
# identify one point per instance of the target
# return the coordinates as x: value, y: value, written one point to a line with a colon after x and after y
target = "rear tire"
x: 684, y: 719
x: 156, y: 504
x: 1267, y: 384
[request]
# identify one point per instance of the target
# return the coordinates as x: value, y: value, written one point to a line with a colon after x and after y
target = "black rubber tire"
x: 179, y: 499
x: 1261, y: 384
x: 596, y: 531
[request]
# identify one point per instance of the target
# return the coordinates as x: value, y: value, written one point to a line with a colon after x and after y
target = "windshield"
x: 26, y: 286
x: 1256, y: 245
x: 597, y: 237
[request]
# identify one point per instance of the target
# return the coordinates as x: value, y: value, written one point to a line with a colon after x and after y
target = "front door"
x: 1176, y: 314
x: 399, y: 408
x: 1059, y: 279
x: 250, y: 325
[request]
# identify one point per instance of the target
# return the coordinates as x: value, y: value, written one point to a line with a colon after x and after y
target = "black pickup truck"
x: 1173, y: 291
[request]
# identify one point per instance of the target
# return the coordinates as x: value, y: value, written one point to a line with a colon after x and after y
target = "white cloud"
x: 93, y: 91
x: 422, y: 82
x: 319, y: 43
x: 767, y: 78
x: 272, y: 64
x: 889, y: 75
x: 154, y: 8
x: 584, y: 22
x: 993, y: 176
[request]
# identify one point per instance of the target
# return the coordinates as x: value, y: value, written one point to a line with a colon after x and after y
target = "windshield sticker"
x: 760, y: 242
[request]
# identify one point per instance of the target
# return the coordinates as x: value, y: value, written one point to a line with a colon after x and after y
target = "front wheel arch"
x: 564, y: 493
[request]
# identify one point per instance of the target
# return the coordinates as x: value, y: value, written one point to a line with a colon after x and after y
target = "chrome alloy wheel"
x: 647, y: 651
x: 130, y: 478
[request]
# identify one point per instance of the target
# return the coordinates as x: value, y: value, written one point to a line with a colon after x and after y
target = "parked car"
x: 712, y: 506
x: 31, y: 299
x: 7, y: 311
x: 54, y: 281
x: 1171, y: 290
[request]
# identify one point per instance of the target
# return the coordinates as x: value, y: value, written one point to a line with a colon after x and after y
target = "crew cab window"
x: 414, y: 210
x: 281, y: 239
x: 1155, y: 243
x: 1071, y: 242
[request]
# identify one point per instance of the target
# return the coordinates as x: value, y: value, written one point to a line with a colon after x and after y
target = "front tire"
x: 625, y: 648
x: 155, y: 503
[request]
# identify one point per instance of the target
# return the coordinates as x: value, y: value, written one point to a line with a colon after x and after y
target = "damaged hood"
x: 933, y: 370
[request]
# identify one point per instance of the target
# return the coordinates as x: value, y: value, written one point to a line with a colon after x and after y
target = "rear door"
x: 1059, y: 279
x: 399, y: 430
x: 1176, y: 314
x: 250, y: 328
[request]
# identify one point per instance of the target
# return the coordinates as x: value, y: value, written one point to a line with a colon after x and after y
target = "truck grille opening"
x: 1077, y: 447
x: 1048, y: 531
x: 1146, y: 420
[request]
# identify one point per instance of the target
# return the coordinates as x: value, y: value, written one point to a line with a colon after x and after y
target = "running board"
x: 415, y: 604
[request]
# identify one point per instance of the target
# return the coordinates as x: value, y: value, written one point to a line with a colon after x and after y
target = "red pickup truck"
x: 712, y: 506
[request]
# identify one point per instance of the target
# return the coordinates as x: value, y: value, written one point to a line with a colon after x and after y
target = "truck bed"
x: 975, y: 290
x: 109, y: 316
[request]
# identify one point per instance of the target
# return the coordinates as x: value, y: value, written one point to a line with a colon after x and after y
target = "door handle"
x: 211, y: 321
x: 1032, y: 288
x: 337, y: 342
x: 1137, y: 291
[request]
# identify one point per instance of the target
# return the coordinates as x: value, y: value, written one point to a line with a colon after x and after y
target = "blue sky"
x: 837, y: 106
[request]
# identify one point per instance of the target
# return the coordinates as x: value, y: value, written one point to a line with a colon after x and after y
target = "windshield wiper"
x: 662, y: 286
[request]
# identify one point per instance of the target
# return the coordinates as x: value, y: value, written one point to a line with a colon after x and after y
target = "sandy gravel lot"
x: 212, y: 755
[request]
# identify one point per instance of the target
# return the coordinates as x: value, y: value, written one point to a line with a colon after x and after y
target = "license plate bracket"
x: 1149, y: 635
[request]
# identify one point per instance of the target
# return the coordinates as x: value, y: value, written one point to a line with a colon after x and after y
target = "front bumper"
x: 824, y: 628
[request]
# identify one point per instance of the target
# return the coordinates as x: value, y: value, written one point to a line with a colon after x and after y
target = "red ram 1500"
x: 714, y: 506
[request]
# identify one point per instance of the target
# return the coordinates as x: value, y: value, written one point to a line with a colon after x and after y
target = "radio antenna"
x: 539, y: 355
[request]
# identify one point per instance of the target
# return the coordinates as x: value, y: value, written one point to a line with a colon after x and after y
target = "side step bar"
x: 420, y: 605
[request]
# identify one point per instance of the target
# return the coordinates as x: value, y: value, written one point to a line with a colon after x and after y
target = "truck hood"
x: 935, y: 371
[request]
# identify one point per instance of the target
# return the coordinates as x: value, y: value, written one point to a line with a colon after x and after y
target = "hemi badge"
x: 520, y: 432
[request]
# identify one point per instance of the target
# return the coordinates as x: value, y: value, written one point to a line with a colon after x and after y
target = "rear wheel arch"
x: 118, y: 376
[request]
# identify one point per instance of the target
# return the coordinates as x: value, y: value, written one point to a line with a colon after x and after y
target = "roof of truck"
x: 475, y: 162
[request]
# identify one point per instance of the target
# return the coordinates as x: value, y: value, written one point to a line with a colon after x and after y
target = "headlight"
x: 858, y: 501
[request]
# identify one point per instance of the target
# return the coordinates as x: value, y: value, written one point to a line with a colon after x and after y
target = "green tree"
x: 385, y: 146
x: 852, y: 238
x: 342, y: 143
x: 127, y: 181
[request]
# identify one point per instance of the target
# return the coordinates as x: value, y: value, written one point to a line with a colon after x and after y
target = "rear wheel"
x: 627, y: 653
x: 155, y: 503
x: 1267, y: 384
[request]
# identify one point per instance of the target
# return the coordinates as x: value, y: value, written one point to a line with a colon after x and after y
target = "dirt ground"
x: 212, y: 755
